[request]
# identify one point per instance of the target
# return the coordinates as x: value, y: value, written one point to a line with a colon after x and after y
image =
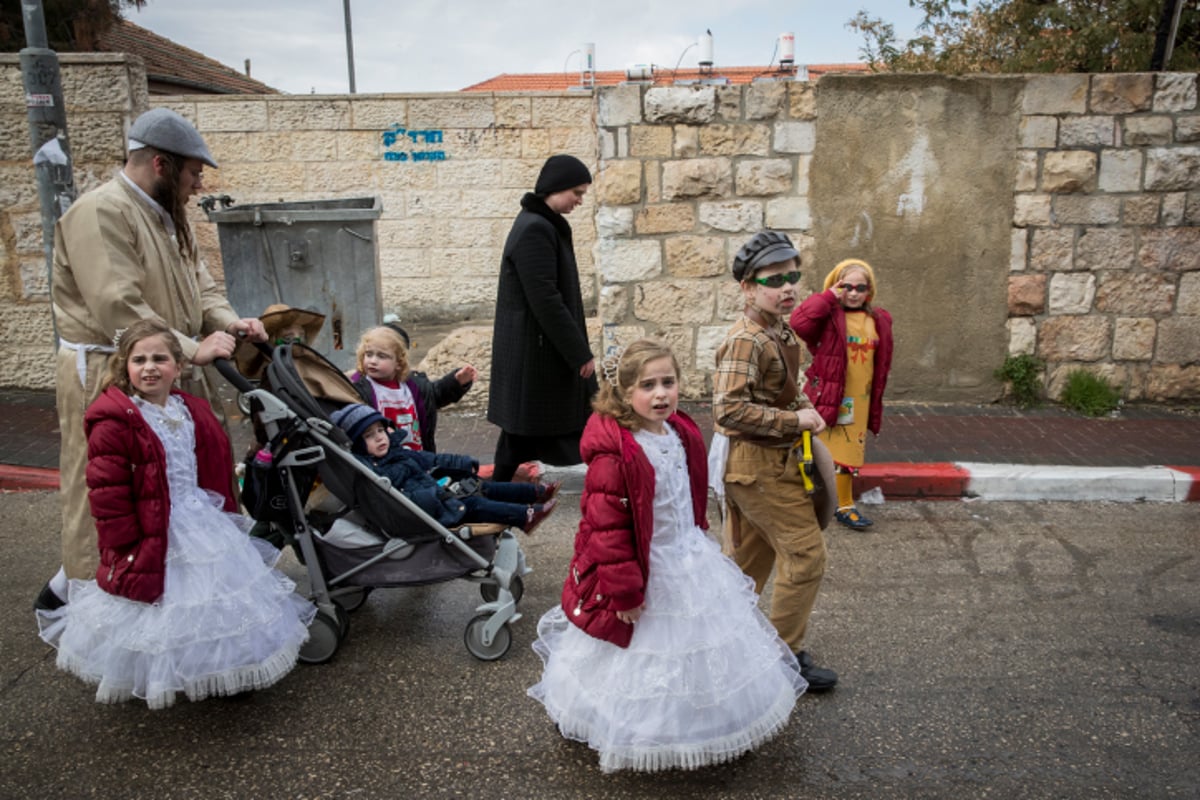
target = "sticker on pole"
x: 39, y: 100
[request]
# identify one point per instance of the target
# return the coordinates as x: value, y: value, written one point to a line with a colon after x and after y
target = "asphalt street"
x: 986, y: 649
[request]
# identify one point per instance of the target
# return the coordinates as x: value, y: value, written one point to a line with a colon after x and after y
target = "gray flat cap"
x: 163, y: 129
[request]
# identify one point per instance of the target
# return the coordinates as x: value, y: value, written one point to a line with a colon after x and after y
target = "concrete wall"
x: 1049, y: 214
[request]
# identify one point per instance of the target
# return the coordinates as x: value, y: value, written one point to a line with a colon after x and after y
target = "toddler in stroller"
x: 380, y: 447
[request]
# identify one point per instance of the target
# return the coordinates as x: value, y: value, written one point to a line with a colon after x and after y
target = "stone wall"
x: 1057, y: 215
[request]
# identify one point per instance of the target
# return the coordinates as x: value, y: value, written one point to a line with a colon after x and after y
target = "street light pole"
x: 349, y: 44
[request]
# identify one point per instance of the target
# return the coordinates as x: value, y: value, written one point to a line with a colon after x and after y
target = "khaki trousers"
x: 771, y: 520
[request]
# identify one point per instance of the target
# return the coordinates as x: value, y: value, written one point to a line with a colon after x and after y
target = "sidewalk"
x: 925, y: 451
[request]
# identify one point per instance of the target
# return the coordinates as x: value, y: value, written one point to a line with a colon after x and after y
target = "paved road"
x: 1029, y: 650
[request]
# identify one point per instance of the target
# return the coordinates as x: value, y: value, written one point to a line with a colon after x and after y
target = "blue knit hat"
x: 354, y: 419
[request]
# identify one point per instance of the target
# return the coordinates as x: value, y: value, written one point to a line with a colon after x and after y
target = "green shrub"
x: 1023, y: 374
x: 1089, y: 394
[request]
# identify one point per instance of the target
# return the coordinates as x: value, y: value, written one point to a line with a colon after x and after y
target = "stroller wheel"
x: 323, y: 639
x: 353, y: 600
x: 474, y: 639
x: 491, y: 592
x: 343, y: 621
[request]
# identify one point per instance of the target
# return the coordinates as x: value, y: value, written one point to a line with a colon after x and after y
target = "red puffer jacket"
x: 129, y: 494
x: 820, y: 321
x: 612, y: 548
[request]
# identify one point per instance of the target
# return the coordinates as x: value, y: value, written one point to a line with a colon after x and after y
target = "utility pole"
x: 1164, y: 39
x: 47, y: 129
x: 349, y: 44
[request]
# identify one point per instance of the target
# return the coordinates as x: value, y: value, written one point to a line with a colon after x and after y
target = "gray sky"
x: 299, y: 46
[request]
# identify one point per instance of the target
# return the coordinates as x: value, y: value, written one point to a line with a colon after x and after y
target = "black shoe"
x: 47, y: 600
x: 819, y: 679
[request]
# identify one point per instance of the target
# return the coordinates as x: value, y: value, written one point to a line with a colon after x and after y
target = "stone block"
x: 1055, y: 94
x: 1071, y: 293
x: 619, y: 182
x: 1052, y: 250
x: 1141, y: 294
x: 1022, y: 336
x: 730, y: 300
x: 764, y: 177
x: 1174, y: 249
x: 1178, y: 341
x: 697, y: 177
x: 685, y: 104
x: 734, y: 140
x: 97, y: 138
x: 497, y: 203
x: 674, y: 302
x: 535, y: 145
x: 1188, y: 301
x: 1140, y: 210
x: 482, y: 143
x: 513, y: 112
x: 308, y: 114
x: 1168, y: 382
x: 1019, y: 251
x: 732, y: 216
x: 614, y: 222
x: 1174, y: 208
x: 470, y: 174
x: 235, y: 179
x: 231, y: 115
x: 789, y: 213
x: 623, y: 261
x: 687, y: 141
x: 440, y: 112
x: 1087, y: 132
x: 1038, y: 132
x: 652, y: 178
x: 802, y: 100
x: 1100, y: 249
x: 1074, y: 338
x: 577, y: 141
x: 1175, y: 91
x: 729, y: 103
x: 696, y: 256
x: 1026, y: 179
x: 1133, y: 339
x: 651, y: 140
x: 795, y: 137
x: 1120, y: 171
x: 1122, y: 93
x: 1026, y: 295
x: 1070, y: 209
x: 1172, y: 169
x: 377, y: 113
x: 765, y: 100
x: 1068, y: 171
x: 1146, y: 131
x: 668, y: 218
x: 520, y: 173
x: 614, y: 303
x: 574, y: 111
x: 620, y: 105
x: 1031, y: 210
x: 1187, y: 128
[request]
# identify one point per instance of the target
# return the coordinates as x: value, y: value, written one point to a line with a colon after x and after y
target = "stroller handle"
x: 231, y: 374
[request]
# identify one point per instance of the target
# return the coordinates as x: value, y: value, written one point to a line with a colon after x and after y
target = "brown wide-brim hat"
x: 824, y: 497
x: 276, y: 318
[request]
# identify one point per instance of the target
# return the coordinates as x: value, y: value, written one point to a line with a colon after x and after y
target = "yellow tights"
x: 845, y: 490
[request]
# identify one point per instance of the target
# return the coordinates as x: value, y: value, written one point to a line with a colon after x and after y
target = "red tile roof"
x: 174, y: 69
x: 559, y: 81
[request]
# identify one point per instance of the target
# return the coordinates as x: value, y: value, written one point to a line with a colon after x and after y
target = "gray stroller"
x: 353, y: 530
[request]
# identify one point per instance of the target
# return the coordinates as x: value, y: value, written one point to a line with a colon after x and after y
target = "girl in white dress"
x: 183, y: 600
x: 658, y: 656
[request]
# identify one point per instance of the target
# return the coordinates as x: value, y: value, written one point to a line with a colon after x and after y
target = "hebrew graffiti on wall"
x: 398, y: 145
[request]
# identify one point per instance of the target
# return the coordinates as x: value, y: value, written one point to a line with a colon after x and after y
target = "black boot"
x: 819, y: 679
x: 47, y: 600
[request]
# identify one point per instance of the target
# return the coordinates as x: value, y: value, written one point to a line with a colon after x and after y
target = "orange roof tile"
x: 171, y: 67
x: 561, y: 81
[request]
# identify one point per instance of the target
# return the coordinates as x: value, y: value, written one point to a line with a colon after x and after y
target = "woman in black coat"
x: 543, y: 370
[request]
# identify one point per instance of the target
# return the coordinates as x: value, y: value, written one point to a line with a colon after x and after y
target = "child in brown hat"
x: 283, y: 324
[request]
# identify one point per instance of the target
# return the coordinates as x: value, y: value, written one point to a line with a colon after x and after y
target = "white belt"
x: 81, y: 351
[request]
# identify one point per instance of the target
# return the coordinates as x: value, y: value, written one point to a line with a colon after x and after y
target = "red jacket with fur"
x: 612, y: 548
x: 128, y: 491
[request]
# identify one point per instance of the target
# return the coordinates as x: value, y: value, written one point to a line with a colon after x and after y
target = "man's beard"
x: 166, y: 193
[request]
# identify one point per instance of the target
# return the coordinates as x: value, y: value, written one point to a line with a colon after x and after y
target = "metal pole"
x: 47, y: 130
x: 349, y: 44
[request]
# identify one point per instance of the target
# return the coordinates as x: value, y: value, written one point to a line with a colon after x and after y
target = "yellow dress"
x: 847, y: 440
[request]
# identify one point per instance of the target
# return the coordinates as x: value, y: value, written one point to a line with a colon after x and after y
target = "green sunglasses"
x: 777, y: 281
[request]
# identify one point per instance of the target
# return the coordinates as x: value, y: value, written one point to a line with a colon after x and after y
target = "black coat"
x: 539, y: 341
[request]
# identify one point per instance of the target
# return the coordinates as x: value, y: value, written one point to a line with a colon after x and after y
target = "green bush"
x: 1089, y: 394
x: 1023, y: 374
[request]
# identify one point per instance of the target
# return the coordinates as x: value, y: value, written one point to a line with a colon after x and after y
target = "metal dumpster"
x: 319, y: 255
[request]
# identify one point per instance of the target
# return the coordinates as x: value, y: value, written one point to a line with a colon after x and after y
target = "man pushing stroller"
x: 378, y: 445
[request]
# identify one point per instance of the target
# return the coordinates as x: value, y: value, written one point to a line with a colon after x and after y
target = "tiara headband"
x: 611, y: 365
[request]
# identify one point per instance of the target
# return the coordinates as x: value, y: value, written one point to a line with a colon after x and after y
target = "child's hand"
x: 466, y: 374
x: 631, y: 616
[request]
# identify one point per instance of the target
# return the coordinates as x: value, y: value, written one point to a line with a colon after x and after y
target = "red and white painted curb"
x: 952, y: 481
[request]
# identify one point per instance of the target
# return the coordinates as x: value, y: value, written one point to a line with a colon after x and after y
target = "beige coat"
x: 115, y: 263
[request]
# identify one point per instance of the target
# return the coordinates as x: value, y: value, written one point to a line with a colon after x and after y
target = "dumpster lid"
x: 346, y: 209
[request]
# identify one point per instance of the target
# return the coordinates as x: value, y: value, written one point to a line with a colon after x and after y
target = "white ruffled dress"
x: 227, y: 622
x: 705, y: 678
